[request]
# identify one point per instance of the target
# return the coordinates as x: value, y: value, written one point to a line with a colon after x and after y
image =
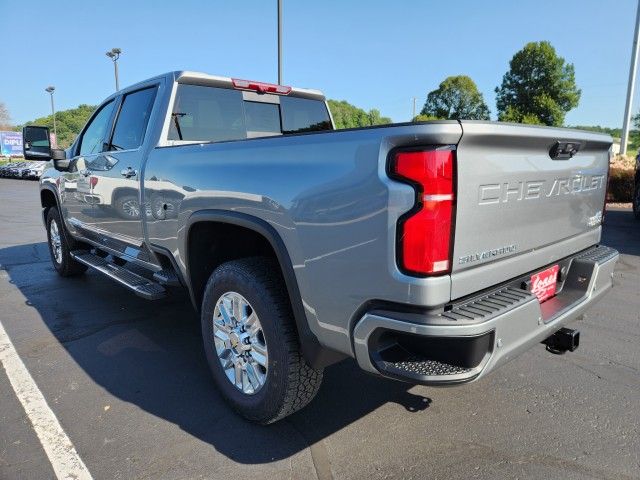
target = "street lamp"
x: 50, y: 89
x: 279, y: 42
x: 114, y: 54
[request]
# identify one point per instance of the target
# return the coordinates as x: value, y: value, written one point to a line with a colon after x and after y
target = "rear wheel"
x: 636, y: 201
x: 128, y: 207
x: 60, y: 246
x: 251, y: 342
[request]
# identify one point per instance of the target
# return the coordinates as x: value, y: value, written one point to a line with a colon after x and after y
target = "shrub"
x: 623, y: 161
x: 621, y: 185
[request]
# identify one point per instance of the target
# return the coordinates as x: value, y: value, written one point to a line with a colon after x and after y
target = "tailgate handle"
x: 564, y: 149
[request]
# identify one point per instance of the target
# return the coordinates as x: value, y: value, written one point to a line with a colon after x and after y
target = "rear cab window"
x: 132, y: 119
x: 215, y: 114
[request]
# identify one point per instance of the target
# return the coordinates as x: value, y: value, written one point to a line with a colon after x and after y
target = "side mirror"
x: 36, y: 144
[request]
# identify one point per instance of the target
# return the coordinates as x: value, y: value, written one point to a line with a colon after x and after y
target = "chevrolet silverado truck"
x: 430, y: 252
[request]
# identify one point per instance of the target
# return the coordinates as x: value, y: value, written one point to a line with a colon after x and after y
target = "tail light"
x: 260, y: 87
x: 93, y: 181
x: 425, y: 233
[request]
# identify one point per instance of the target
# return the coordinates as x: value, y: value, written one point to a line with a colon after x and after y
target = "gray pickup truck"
x: 429, y: 252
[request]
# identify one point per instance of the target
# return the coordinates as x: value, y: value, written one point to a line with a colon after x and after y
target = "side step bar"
x: 137, y: 284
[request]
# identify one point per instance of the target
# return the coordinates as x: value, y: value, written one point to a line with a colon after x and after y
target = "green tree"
x: 346, y: 115
x: 68, y: 123
x: 540, y: 87
x: 457, y: 97
x: 424, y: 118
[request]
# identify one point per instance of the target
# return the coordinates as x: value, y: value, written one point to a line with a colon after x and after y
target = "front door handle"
x: 128, y: 172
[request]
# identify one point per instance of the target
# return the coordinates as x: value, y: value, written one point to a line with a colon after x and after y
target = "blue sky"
x: 373, y: 53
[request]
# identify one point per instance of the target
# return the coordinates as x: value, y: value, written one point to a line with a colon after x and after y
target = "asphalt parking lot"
x: 128, y: 382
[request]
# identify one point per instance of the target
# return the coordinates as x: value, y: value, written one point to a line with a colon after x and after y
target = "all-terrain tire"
x: 290, y: 383
x: 60, y: 244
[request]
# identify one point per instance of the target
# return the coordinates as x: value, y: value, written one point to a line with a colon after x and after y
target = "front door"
x: 113, y: 177
x: 76, y: 197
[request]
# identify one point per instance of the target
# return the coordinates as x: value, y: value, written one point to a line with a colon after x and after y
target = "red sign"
x: 543, y: 284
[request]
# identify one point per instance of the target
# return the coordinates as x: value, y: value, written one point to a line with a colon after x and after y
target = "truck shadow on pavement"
x: 625, y: 237
x: 150, y: 354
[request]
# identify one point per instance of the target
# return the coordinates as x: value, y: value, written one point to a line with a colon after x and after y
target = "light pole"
x: 632, y: 81
x: 50, y: 89
x: 279, y: 42
x: 114, y: 54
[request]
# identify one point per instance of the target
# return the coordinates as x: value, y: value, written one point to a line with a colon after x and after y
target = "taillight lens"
x: 93, y: 181
x: 425, y: 232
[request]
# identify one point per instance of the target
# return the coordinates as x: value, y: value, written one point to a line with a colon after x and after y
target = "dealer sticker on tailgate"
x: 543, y: 284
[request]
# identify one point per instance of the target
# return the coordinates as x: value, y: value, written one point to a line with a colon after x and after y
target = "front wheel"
x: 251, y: 342
x: 636, y: 201
x: 60, y: 246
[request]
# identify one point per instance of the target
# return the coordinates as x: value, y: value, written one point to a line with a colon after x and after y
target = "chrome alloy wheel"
x: 55, y: 241
x: 131, y: 208
x: 240, y: 343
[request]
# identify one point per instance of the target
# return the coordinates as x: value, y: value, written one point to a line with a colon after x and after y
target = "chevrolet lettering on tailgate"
x: 535, y: 189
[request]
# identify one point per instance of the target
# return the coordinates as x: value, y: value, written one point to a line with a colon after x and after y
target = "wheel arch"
x: 49, y: 198
x: 120, y: 191
x: 315, y: 354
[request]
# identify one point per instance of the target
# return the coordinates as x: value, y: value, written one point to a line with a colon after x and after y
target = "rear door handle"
x: 128, y: 172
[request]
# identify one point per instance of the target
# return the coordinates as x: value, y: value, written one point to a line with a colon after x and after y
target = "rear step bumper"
x: 139, y: 285
x: 475, y: 336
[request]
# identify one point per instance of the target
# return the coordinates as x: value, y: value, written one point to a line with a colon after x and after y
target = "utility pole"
x: 50, y: 89
x: 414, y: 109
x: 630, y: 88
x: 114, y: 54
x: 279, y: 42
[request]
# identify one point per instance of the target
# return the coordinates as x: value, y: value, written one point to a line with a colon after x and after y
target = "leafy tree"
x: 424, y: 118
x: 5, y: 118
x: 68, y: 123
x: 346, y: 115
x: 456, y: 98
x: 616, y: 133
x: 538, y: 88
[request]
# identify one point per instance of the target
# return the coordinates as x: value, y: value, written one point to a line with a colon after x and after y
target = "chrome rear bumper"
x: 473, y: 337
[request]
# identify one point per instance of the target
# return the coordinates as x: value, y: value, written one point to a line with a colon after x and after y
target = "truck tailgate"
x: 513, y: 199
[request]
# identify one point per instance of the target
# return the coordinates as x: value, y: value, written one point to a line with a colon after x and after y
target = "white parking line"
x: 64, y: 459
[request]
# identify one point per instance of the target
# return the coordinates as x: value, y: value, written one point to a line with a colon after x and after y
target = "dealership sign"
x: 10, y: 144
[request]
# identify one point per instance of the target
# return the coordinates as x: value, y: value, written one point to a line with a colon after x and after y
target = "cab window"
x: 133, y: 118
x: 94, y: 136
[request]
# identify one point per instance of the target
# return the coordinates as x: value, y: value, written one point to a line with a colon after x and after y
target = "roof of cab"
x: 199, y: 78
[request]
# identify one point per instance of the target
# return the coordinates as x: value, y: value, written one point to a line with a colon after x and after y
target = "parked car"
x: 430, y: 252
x: 30, y: 170
x: 16, y: 169
x: 4, y: 169
x: 35, y: 170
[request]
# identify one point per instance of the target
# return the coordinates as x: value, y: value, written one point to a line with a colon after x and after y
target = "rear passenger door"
x: 114, y: 176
